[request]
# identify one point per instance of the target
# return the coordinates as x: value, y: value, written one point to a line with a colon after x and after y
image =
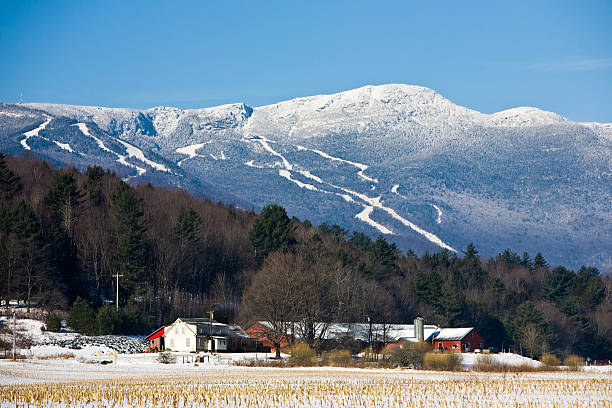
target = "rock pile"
x: 120, y: 344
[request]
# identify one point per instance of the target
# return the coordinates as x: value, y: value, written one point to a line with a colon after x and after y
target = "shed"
x: 156, y: 340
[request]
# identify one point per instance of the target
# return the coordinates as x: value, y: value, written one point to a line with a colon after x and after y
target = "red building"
x: 462, y: 339
x: 260, y: 332
x: 156, y: 340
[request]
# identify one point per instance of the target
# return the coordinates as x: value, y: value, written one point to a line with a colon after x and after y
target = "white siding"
x: 180, y: 337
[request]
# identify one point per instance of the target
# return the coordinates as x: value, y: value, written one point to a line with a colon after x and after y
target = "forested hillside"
x: 64, y: 234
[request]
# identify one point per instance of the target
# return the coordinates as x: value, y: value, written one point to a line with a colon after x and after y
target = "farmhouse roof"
x: 457, y: 333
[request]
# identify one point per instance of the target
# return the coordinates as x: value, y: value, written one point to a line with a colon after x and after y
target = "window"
x: 187, y: 342
x: 454, y: 346
x: 172, y: 343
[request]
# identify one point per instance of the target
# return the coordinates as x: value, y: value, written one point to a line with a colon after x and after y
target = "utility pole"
x: 210, y: 339
x: 117, y: 298
x: 14, y: 338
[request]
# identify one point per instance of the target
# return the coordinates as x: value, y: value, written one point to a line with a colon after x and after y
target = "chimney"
x: 419, y: 332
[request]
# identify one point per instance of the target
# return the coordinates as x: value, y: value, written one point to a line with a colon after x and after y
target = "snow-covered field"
x: 99, y: 376
x: 140, y: 381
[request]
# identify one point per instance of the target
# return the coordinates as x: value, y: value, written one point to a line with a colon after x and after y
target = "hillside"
x: 397, y: 160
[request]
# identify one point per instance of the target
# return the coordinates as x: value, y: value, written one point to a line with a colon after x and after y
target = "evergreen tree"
x: 381, y: 257
x: 128, y: 215
x: 93, y: 179
x: 427, y: 286
x: 64, y: 198
x: 107, y: 320
x: 539, y: 261
x: 589, y: 287
x: 271, y: 231
x: 360, y: 239
x: 510, y: 257
x: 470, y: 252
x: 9, y: 183
x: 558, y: 284
x: 81, y: 317
x: 187, y: 227
x: 449, y: 304
x: 526, y: 261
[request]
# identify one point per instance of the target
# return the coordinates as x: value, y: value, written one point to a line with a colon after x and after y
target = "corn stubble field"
x: 269, y: 387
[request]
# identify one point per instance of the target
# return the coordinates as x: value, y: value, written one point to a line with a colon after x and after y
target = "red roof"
x: 157, y: 333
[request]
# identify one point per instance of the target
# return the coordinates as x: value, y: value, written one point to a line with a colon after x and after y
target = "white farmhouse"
x: 196, y: 334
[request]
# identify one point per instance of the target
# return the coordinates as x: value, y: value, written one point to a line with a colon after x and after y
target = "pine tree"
x: 128, y: 215
x: 539, y: 261
x: 64, y: 198
x: 470, y: 252
x: 526, y: 261
x: 81, y: 317
x: 271, y: 231
x: 558, y: 284
x: 93, y: 178
x: 187, y: 227
x: 9, y: 183
x: 26, y: 230
x: 381, y: 257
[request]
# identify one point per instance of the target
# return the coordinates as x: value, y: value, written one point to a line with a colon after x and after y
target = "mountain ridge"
x: 398, y: 160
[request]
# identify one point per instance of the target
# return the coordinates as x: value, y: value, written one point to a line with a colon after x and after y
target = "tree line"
x: 64, y: 234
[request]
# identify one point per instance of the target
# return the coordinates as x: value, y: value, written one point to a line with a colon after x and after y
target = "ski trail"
x: 439, y: 219
x: 370, y: 203
x: 83, y: 128
x: 375, y: 202
x: 34, y: 132
x: 266, y: 146
x: 133, y: 151
x: 286, y: 174
x: 360, y: 166
x: 64, y: 146
x: 365, y: 217
x: 190, y: 151
x: 121, y: 159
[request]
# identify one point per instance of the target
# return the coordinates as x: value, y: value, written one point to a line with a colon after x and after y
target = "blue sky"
x: 489, y: 56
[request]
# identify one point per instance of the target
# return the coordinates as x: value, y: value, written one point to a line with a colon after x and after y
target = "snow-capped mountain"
x: 397, y: 160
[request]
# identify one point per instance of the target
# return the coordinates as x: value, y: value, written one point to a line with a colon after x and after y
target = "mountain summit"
x: 397, y: 160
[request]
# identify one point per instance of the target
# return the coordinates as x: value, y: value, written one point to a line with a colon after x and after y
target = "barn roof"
x: 157, y: 333
x: 457, y: 333
x: 360, y: 331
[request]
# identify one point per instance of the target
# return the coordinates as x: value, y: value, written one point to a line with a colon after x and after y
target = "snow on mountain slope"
x: 522, y: 178
x: 524, y: 116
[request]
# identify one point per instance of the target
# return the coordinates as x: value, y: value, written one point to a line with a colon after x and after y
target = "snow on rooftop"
x: 452, y: 333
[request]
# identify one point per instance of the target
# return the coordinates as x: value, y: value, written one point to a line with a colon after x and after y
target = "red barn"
x: 462, y: 339
x: 156, y: 340
x: 260, y: 332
